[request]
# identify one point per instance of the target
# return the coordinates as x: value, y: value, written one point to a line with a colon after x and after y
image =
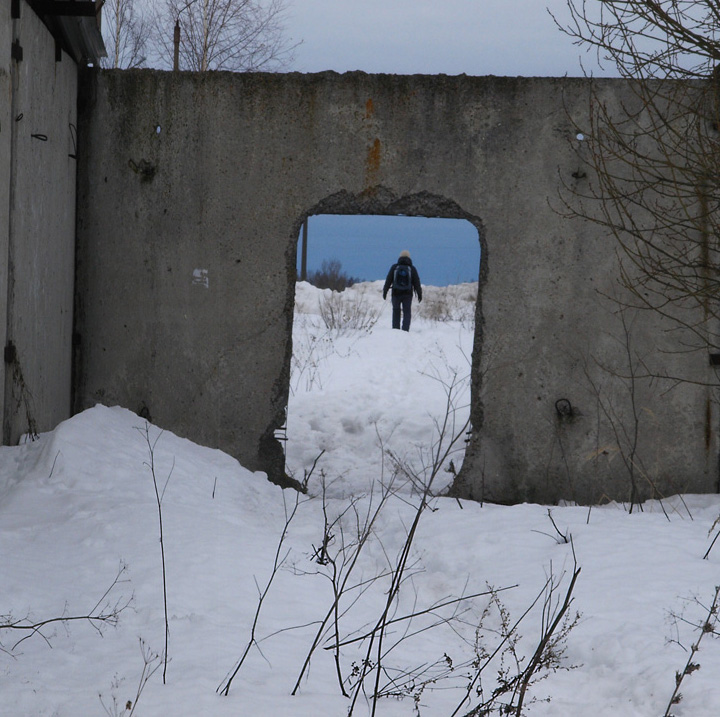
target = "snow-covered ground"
x: 79, y: 516
x: 358, y: 393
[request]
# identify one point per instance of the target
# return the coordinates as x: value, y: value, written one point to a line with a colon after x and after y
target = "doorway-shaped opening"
x: 447, y: 250
x: 376, y: 404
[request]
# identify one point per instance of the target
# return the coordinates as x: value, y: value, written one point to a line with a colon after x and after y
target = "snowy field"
x: 80, y: 537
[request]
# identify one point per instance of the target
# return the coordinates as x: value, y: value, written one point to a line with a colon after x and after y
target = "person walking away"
x: 403, y: 279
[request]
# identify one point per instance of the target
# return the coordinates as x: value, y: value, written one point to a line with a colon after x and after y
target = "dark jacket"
x: 416, y: 287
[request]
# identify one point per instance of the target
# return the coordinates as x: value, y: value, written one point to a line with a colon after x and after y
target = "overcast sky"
x: 475, y: 37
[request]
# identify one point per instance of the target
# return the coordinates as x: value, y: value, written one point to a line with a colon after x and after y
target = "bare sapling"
x: 625, y: 422
x: 159, y: 494
x: 627, y: 437
x: 450, y: 436
x: 281, y: 555
x: 559, y: 536
x: 714, y: 540
x: 628, y: 425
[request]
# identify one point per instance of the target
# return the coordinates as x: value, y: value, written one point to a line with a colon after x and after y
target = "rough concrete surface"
x: 192, y: 189
x: 5, y: 164
x: 37, y: 236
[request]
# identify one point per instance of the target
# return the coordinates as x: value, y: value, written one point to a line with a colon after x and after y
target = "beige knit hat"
x: 405, y: 253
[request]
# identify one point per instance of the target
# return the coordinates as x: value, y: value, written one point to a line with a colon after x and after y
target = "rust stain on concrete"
x: 372, y: 163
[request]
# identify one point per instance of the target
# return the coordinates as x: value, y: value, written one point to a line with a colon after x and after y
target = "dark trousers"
x: 401, y: 301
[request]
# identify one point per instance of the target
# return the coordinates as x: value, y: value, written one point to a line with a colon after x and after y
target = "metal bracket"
x: 16, y: 51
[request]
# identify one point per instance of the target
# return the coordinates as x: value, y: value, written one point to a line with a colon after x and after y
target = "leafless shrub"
x: 379, y: 659
x: 310, y: 349
x: 342, y: 314
x: 513, y: 670
x: 346, y: 533
x: 708, y: 625
x: 151, y: 664
x: 449, y: 304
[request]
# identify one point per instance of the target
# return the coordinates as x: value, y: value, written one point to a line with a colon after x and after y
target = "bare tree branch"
x: 237, y: 35
x: 102, y: 613
x: 126, y: 34
x: 654, y: 159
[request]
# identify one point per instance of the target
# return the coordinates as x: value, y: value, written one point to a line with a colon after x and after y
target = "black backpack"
x: 402, y: 278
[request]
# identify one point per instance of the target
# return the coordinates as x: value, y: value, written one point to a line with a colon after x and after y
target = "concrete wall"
x: 5, y: 155
x: 37, y: 232
x: 192, y: 189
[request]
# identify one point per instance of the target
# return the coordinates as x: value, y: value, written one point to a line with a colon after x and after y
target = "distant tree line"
x: 330, y: 275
